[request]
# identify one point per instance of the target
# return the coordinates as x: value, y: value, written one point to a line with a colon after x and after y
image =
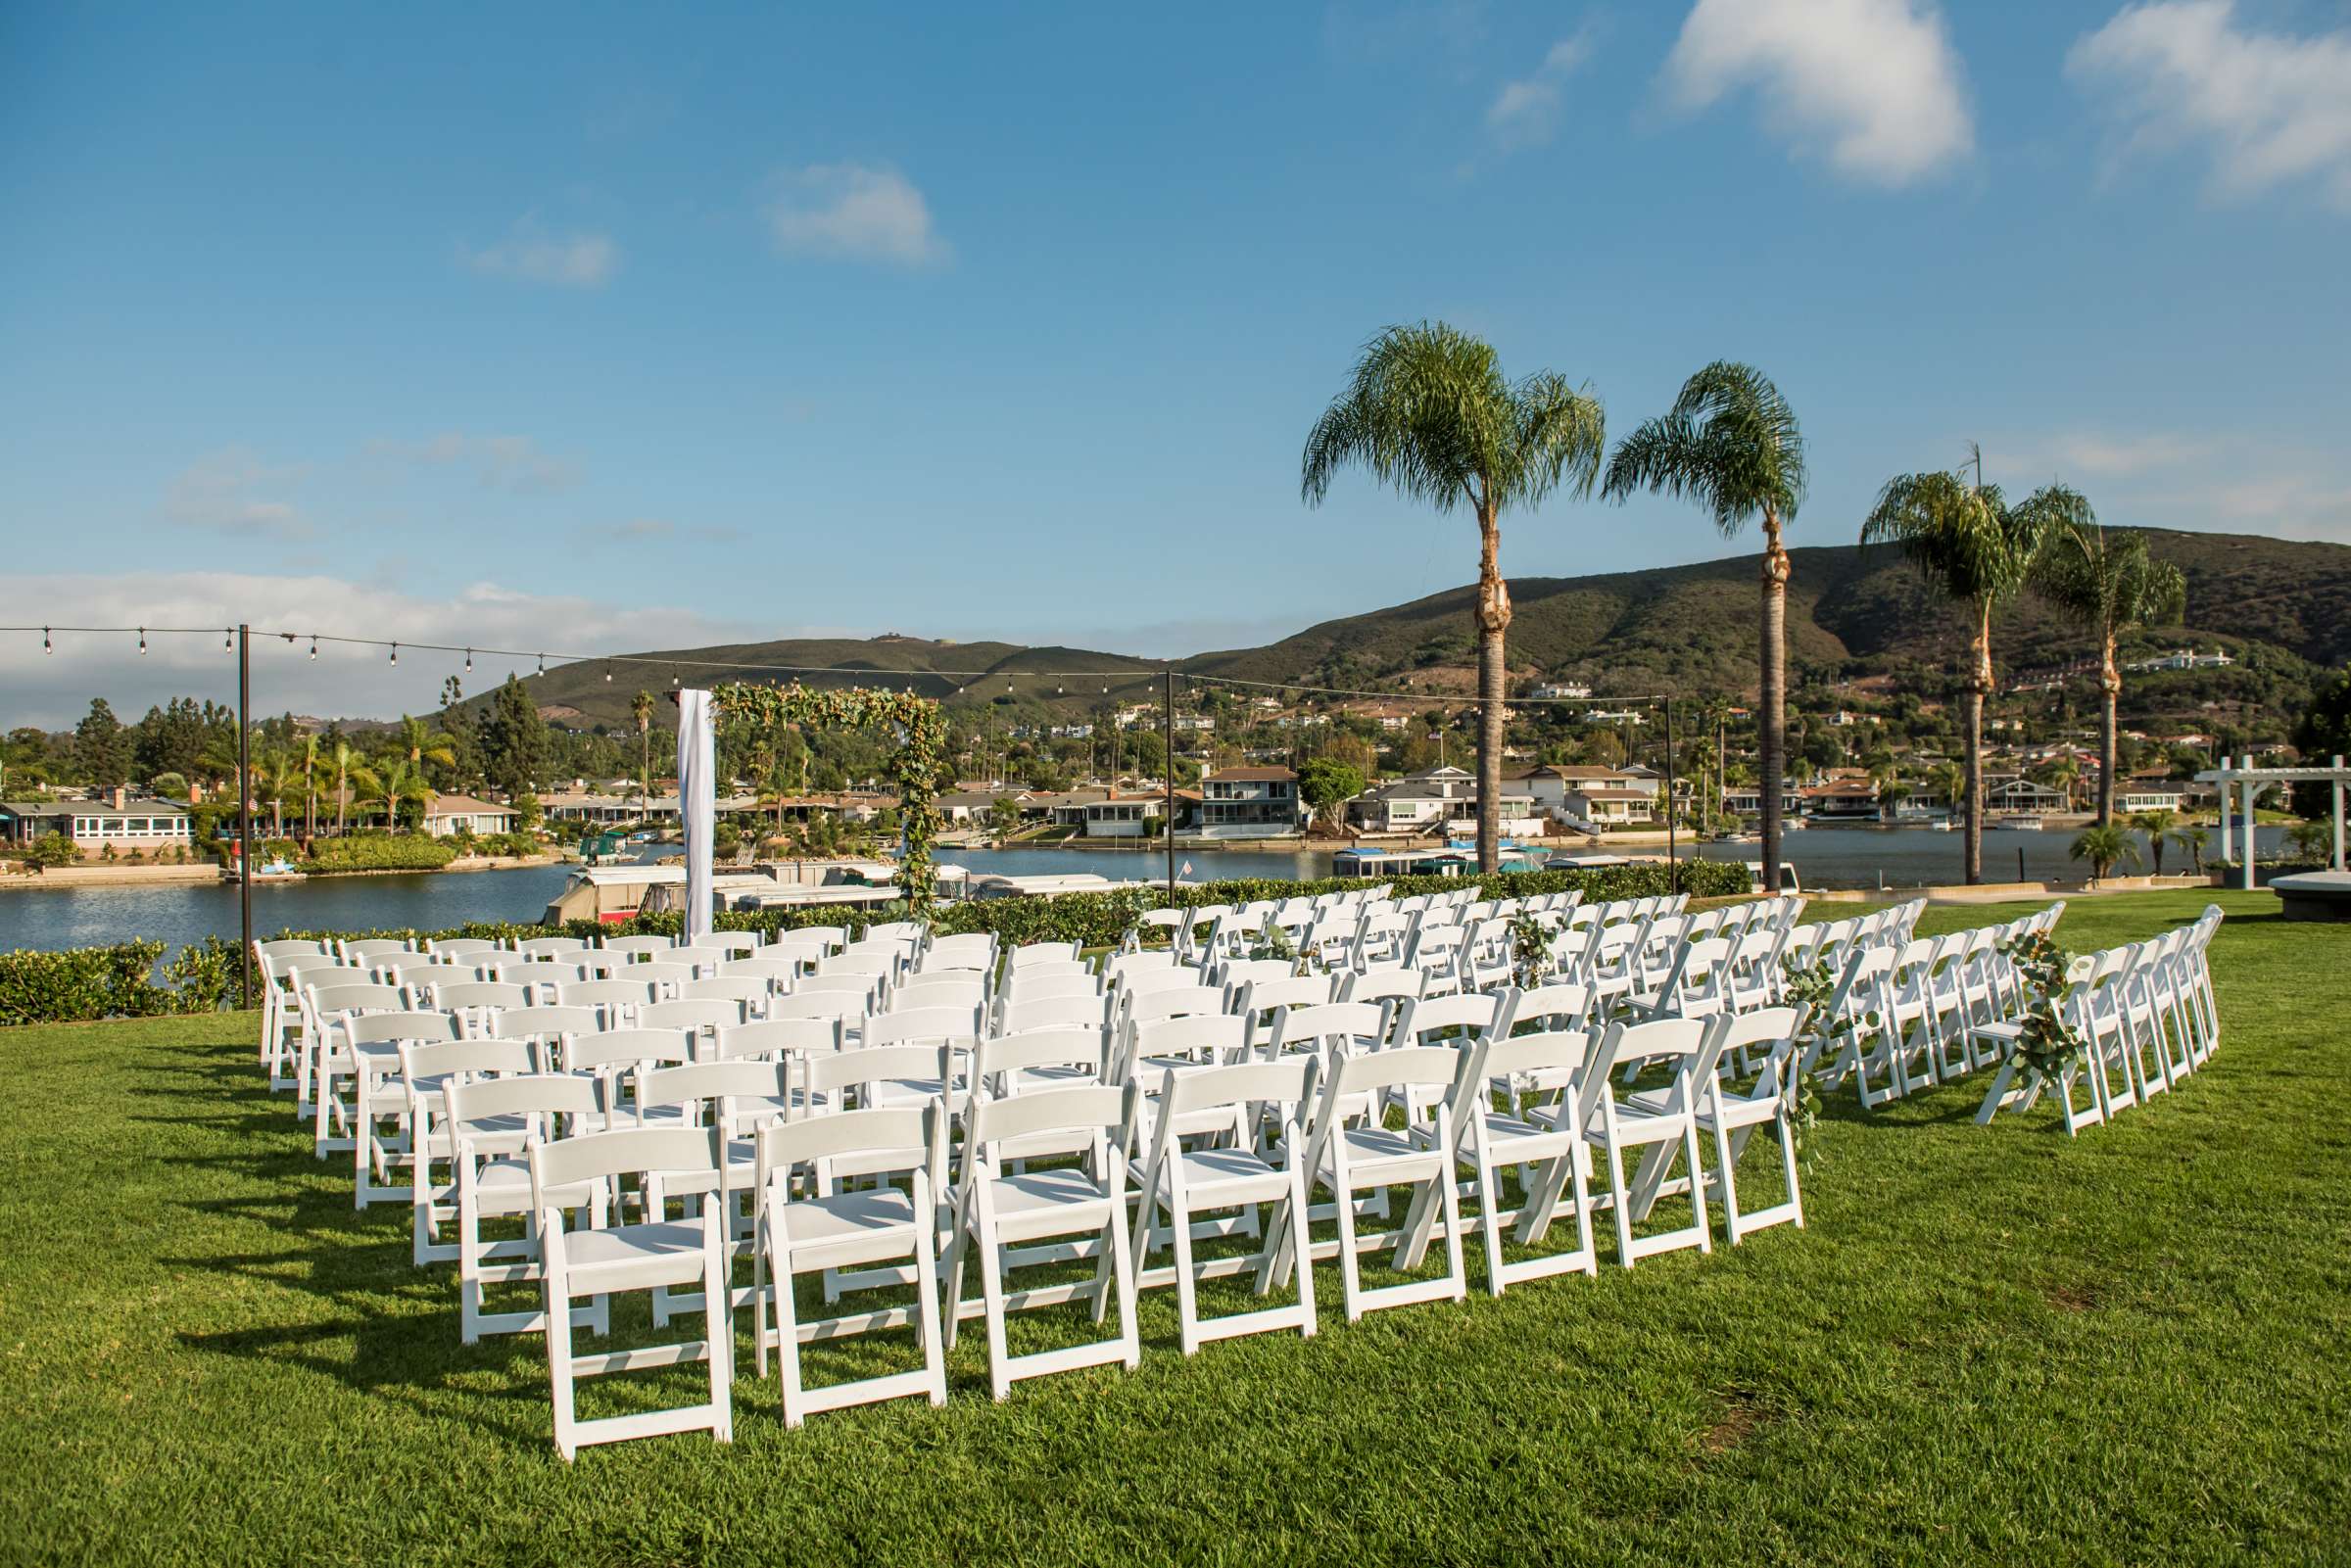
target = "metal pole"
x: 245, y: 812
x: 2339, y: 810
x: 1673, y: 872
x: 1168, y: 718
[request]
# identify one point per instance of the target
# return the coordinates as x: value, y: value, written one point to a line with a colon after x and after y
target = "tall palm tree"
x: 403, y: 785
x: 2064, y: 774
x: 1975, y: 549
x: 309, y: 786
x: 640, y: 708
x: 2109, y: 584
x: 1428, y: 412
x: 1732, y: 444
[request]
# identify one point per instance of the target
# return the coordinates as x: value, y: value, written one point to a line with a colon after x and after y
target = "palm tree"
x: 351, y: 773
x: 2109, y: 584
x: 2195, y: 840
x: 420, y: 743
x: 2157, y: 826
x: 309, y: 786
x: 1427, y: 411
x: 2105, y: 847
x: 403, y: 784
x: 273, y: 766
x: 640, y: 708
x: 2064, y: 774
x: 1732, y: 444
x: 1976, y: 550
x: 1950, y: 780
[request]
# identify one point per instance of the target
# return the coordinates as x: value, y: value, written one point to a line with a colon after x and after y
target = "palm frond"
x: 1731, y: 443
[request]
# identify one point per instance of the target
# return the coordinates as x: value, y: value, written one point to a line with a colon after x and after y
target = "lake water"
x: 179, y: 913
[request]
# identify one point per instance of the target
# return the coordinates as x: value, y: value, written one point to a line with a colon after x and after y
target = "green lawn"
x: 1989, y: 1342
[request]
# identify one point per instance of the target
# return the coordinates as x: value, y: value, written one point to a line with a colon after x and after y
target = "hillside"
x: 1851, y: 612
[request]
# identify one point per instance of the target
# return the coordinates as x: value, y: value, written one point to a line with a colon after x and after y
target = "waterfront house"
x: 1560, y: 691
x: 1122, y: 816
x: 445, y: 814
x: 1842, y: 800
x: 1611, y: 805
x: 2024, y: 796
x: 1747, y: 800
x: 121, y: 820
x: 1250, y: 803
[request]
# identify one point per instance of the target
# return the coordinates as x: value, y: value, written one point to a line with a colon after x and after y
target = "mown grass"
x: 1989, y: 1342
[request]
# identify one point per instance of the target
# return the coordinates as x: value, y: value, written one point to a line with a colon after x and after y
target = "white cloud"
x: 2072, y: 455
x: 1873, y: 84
x: 513, y: 463
x: 2270, y: 108
x: 345, y: 681
x: 233, y: 492
x: 1526, y: 112
x: 534, y: 255
x: 850, y: 212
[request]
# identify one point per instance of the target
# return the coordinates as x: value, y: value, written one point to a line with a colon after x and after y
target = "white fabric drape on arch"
x: 698, y: 805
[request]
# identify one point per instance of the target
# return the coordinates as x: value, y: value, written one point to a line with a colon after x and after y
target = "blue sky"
x: 596, y: 328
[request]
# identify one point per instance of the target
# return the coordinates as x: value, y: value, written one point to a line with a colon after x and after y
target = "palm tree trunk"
x: 1979, y: 687
x: 1772, y: 723
x: 2110, y: 687
x: 1493, y: 620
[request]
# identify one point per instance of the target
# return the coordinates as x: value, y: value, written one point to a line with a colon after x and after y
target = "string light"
x: 469, y: 662
x: 142, y: 641
x: 396, y: 654
x: 608, y: 673
x: 541, y: 664
x: 45, y: 647
x: 228, y: 639
x: 313, y: 650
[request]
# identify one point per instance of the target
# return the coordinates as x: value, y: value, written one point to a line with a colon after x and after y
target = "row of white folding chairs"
x: 2147, y: 1014
x: 1914, y: 1013
x: 1276, y: 1131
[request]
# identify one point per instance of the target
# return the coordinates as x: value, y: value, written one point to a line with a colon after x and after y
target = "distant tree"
x: 2109, y: 584
x: 169, y: 739
x: 1975, y: 549
x: 1732, y: 444
x: 1950, y: 780
x: 1003, y: 815
x: 1428, y: 413
x: 2063, y: 774
x: 2309, y: 840
x: 169, y: 785
x: 2195, y: 840
x: 351, y: 773
x: 2157, y: 826
x: 2105, y: 847
x: 1326, y: 784
x: 514, y: 743
x: 640, y: 710
x: 101, y: 751
x: 2323, y: 731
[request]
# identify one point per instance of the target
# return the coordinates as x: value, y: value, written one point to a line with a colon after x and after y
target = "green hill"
x: 2281, y: 607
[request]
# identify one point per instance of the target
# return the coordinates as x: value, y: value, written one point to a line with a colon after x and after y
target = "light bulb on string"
x: 142, y: 641
x: 228, y: 639
x: 541, y: 664
x: 608, y: 675
x: 469, y: 662
x: 45, y: 647
x: 396, y: 654
x: 313, y: 650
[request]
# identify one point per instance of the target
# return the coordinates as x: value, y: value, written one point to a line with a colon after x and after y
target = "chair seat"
x: 1374, y: 1151
x: 634, y: 1256
x: 848, y: 1227
x: 1232, y: 1175
x: 502, y: 1186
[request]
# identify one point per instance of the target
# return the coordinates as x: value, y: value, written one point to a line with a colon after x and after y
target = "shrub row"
x: 86, y: 983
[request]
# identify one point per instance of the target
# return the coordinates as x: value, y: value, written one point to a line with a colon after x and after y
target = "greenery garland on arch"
x: 916, y: 764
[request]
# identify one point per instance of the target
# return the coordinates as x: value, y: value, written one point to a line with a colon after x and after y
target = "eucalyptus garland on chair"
x: 2046, y: 1041
x: 1810, y: 988
x: 916, y: 765
x: 1530, y: 951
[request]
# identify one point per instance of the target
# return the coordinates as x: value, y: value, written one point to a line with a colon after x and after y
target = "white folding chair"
x: 490, y: 1122
x: 1650, y: 1121
x: 647, y: 1254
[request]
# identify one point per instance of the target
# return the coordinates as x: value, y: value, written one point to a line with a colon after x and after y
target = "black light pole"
x: 1167, y: 717
x: 245, y: 812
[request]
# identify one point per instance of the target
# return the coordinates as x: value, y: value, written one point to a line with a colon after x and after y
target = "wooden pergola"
x: 2243, y: 775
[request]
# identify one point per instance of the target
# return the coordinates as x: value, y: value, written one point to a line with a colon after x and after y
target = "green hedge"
x: 331, y: 856
x: 86, y: 983
x: 1098, y: 919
